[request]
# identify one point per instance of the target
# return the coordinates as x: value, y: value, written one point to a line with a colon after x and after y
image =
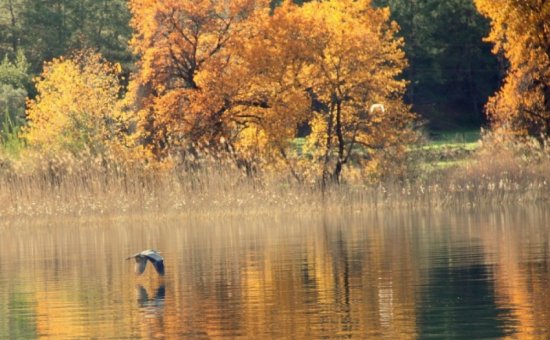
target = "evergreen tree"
x: 14, y: 81
x: 10, y: 26
x: 51, y: 28
x: 452, y: 71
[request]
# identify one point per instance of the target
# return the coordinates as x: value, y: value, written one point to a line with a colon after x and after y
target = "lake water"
x: 417, y: 274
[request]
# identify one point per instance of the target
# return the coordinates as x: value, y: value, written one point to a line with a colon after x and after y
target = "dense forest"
x: 443, y: 41
x: 308, y: 86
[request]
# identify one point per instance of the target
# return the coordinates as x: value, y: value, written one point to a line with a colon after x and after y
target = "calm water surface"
x: 380, y: 275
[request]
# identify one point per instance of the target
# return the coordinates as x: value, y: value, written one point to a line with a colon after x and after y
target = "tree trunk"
x: 325, y: 174
x: 341, y: 143
x: 546, y: 90
x: 14, y: 38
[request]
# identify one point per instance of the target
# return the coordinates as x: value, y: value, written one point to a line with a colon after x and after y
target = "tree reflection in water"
x: 393, y: 275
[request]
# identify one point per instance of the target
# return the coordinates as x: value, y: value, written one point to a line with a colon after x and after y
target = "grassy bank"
x: 446, y: 149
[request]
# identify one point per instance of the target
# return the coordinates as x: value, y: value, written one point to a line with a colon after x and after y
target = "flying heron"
x: 151, y: 255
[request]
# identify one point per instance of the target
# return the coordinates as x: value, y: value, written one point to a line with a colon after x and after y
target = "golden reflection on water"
x: 385, y: 275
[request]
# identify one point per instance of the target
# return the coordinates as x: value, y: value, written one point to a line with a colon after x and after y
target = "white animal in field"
x: 380, y: 107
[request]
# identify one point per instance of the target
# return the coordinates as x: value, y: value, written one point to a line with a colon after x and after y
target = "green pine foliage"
x: 14, y: 81
x: 452, y: 71
x: 47, y: 29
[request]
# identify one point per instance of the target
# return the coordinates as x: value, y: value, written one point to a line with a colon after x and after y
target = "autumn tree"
x: 183, y: 89
x: 244, y: 76
x: 345, y: 56
x: 358, y: 64
x: 75, y: 106
x: 520, y: 31
x: 276, y: 97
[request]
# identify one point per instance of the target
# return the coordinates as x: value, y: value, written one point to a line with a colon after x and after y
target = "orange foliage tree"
x: 75, y: 108
x: 357, y: 64
x: 520, y: 31
x: 187, y: 73
x: 248, y: 76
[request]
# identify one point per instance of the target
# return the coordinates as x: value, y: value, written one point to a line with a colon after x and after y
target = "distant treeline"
x: 451, y: 70
x: 48, y: 29
x: 319, y: 88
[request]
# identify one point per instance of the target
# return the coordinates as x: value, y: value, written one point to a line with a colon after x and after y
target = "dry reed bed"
x: 105, y: 188
x: 499, y: 174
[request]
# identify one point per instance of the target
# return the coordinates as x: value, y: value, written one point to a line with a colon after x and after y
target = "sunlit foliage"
x: 241, y: 76
x: 358, y: 61
x: 186, y: 81
x: 75, y: 106
x: 520, y: 31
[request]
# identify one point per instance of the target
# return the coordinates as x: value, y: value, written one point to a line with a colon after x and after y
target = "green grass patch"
x: 445, y: 149
x: 456, y: 136
x: 442, y: 150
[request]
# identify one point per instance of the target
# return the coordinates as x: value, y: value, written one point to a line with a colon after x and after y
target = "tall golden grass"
x: 67, y: 185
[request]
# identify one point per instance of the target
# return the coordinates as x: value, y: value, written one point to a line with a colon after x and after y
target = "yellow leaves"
x: 520, y: 29
x: 76, y: 98
x: 252, y: 141
x: 357, y: 63
x: 118, y: 68
x: 236, y: 77
x: 317, y: 139
x: 187, y: 60
x: 237, y: 70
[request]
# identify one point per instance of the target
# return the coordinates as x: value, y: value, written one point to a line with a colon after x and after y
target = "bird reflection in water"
x: 151, y: 310
x: 154, y: 305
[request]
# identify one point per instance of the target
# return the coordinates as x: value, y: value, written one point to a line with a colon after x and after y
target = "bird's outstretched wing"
x: 155, y: 259
x: 159, y: 265
x: 151, y: 255
x: 141, y: 263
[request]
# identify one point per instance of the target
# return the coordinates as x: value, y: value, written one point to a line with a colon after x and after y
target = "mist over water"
x: 390, y: 274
